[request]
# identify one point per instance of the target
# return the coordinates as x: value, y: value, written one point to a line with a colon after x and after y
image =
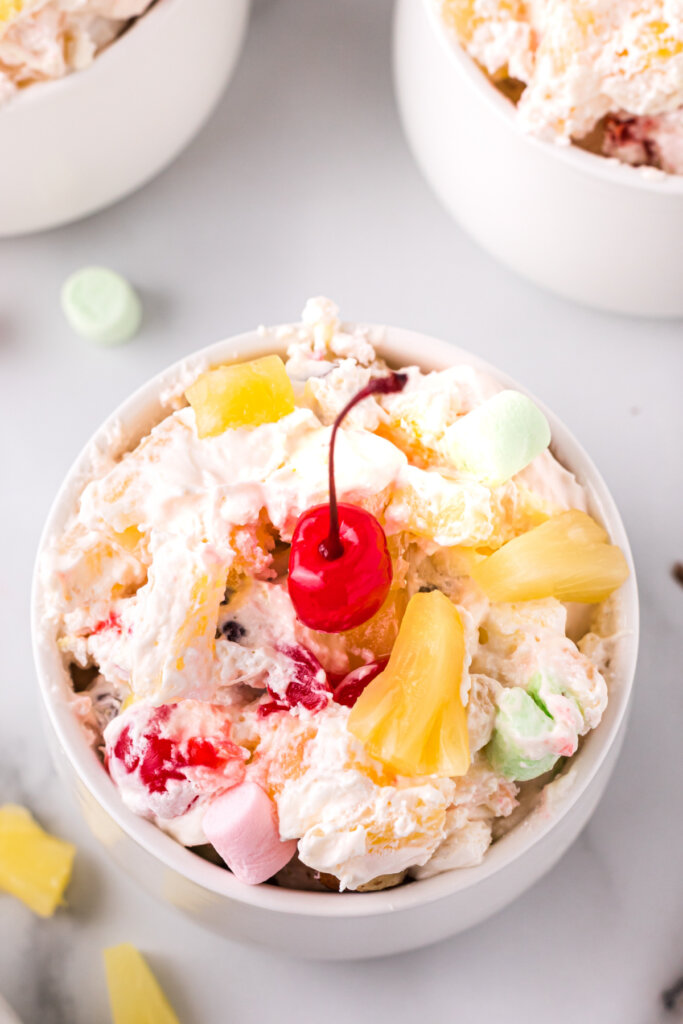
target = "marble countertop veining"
x: 302, y: 184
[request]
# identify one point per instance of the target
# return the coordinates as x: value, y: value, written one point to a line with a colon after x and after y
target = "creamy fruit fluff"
x: 399, y: 748
x: 606, y: 74
x: 45, y: 39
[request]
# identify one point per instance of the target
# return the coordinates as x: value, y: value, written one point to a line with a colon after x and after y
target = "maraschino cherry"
x: 339, y: 564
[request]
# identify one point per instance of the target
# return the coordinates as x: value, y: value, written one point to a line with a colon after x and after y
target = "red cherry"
x: 339, y: 563
x: 333, y: 595
x: 160, y: 759
x: 308, y: 687
x: 349, y: 690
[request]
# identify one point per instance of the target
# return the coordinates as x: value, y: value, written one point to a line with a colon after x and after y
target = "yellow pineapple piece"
x: 243, y: 395
x: 135, y: 995
x: 9, y: 9
x: 411, y: 716
x: 34, y: 866
x: 567, y: 557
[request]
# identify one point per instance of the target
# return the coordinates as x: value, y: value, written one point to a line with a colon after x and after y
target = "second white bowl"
x: 591, y: 229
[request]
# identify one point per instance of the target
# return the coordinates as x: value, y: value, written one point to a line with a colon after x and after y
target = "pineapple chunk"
x: 567, y: 557
x: 9, y: 9
x: 243, y: 395
x: 411, y: 716
x: 134, y: 993
x: 34, y: 866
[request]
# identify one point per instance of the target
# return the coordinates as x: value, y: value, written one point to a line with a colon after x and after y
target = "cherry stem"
x: 332, y: 547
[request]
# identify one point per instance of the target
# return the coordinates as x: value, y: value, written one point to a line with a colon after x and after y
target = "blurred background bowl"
x: 591, y: 229
x: 74, y: 145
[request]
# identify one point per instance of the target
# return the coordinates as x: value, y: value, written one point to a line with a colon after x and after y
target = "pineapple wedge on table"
x: 34, y: 866
x: 134, y: 993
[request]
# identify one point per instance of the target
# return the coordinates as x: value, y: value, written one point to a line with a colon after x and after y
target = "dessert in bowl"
x: 526, y: 119
x: 42, y: 40
x: 146, y: 76
x: 605, y: 76
x: 341, y: 751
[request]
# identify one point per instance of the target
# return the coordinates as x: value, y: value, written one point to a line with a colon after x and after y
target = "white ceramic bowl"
x: 72, y: 146
x: 592, y: 229
x: 7, y: 1014
x: 329, y: 925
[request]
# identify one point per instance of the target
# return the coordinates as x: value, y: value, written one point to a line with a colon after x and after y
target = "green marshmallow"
x: 101, y: 305
x: 518, y: 719
x: 499, y: 438
x: 543, y: 684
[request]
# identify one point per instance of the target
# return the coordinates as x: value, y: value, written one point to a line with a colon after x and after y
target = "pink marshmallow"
x: 241, y: 824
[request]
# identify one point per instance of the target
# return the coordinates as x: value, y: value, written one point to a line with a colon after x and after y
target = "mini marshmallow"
x: 497, y: 439
x: 519, y: 746
x: 101, y: 305
x: 241, y: 825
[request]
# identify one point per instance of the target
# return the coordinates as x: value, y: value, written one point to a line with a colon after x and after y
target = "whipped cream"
x: 350, y: 825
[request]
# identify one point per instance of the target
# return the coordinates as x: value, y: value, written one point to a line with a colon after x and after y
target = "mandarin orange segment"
x: 34, y: 866
x: 372, y: 641
x: 567, y: 557
x: 129, y: 539
x: 411, y: 716
x: 243, y: 395
x: 378, y: 635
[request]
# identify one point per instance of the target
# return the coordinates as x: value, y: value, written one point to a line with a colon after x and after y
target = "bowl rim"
x: 46, y: 90
x: 607, y: 168
x: 146, y: 404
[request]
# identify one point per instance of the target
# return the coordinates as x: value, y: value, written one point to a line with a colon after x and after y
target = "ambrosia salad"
x: 606, y: 74
x: 42, y: 40
x: 346, y: 675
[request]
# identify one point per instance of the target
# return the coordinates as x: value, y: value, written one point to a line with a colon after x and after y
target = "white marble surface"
x: 302, y: 184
